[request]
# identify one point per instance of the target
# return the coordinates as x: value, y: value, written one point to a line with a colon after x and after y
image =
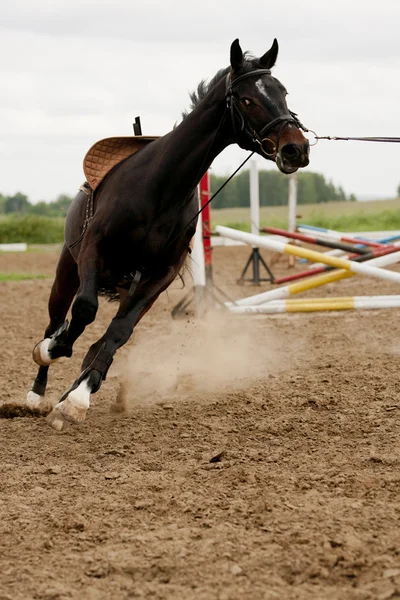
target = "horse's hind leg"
x: 75, y: 402
x: 62, y: 293
x: 83, y: 310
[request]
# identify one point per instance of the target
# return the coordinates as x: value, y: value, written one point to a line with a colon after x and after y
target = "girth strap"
x: 86, y: 189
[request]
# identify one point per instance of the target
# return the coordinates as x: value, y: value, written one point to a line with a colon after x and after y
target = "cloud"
x: 72, y: 73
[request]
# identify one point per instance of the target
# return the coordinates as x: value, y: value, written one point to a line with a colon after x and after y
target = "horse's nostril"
x: 291, y: 151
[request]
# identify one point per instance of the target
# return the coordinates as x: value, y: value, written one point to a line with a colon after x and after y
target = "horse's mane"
x: 203, y: 88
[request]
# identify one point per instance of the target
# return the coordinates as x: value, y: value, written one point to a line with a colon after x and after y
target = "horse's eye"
x: 246, y: 101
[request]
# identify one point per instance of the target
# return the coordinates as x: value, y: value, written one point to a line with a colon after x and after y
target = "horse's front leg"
x: 74, y: 404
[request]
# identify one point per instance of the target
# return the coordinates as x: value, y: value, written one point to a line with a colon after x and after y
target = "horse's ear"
x: 236, y: 55
x: 269, y: 59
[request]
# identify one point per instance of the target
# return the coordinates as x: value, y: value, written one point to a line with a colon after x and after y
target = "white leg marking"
x: 36, y: 402
x: 71, y: 410
x: 44, y: 351
x: 41, y: 354
x: 81, y: 396
x: 33, y: 400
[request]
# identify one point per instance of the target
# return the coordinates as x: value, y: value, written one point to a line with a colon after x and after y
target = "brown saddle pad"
x: 107, y: 153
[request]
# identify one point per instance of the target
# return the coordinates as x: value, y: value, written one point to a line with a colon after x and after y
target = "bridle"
x: 241, y: 125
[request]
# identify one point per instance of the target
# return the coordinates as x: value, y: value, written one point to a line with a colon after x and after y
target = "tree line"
x: 312, y: 188
x: 19, y: 204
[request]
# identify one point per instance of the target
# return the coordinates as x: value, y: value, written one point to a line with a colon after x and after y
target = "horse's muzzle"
x: 293, y: 156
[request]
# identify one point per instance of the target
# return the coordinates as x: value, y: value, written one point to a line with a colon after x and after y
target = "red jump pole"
x: 205, y: 195
x: 317, y: 241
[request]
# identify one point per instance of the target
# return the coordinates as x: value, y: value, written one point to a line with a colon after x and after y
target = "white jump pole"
x: 197, y: 294
x: 302, y: 286
x: 254, y: 199
x: 292, y: 202
x: 292, y: 208
x: 320, y: 304
x: 339, y: 263
x: 17, y: 247
x: 198, y: 261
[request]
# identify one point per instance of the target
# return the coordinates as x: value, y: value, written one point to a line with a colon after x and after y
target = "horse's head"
x: 260, y: 117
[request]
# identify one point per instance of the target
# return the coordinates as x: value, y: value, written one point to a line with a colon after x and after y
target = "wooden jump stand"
x: 204, y: 295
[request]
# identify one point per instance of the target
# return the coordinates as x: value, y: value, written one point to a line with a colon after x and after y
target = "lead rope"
x: 211, y: 199
x: 358, y: 139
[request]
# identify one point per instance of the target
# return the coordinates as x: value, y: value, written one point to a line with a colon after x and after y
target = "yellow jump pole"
x: 308, y: 284
x: 333, y: 261
x: 320, y: 304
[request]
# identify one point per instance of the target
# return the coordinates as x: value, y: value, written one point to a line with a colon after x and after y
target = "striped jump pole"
x: 320, y: 304
x: 315, y: 270
x: 338, y: 245
x: 385, y: 240
x: 328, y: 253
x: 333, y: 299
x: 296, y: 288
x: 337, y: 235
x: 333, y: 261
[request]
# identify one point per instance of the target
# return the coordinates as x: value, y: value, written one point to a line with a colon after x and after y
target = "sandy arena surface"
x: 303, y: 503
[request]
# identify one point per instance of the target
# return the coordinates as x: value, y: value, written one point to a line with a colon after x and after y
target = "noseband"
x: 241, y: 125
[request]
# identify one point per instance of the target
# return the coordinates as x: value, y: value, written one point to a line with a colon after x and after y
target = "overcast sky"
x: 73, y: 72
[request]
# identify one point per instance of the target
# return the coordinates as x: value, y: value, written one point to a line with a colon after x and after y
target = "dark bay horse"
x: 145, y: 214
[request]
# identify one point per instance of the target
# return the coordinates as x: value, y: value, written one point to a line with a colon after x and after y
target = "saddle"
x: 107, y: 153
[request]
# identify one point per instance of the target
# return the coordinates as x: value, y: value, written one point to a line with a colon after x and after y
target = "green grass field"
x: 342, y: 216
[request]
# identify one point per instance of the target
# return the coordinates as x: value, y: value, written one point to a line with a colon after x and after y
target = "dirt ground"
x: 300, y: 412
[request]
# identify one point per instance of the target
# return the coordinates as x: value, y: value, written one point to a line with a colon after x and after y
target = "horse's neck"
x: 201, y: 136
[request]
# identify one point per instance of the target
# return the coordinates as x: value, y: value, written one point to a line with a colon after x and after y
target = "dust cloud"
x: 217, y: 353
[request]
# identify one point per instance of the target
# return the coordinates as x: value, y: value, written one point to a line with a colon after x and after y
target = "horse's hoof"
x: 36, y: 402
x: 56, y: 419
x: 65, y: 413
x: 72, y: 409
x: 41, y: 354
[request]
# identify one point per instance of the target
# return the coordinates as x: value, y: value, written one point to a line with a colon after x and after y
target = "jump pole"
x: 331, y: 300
x: 327, y: 243
x: 318, y: 268
x: 16, y: 247
x: 314, y: 282
x: 197, y: 295
x: 385, y: 240
x: 337, y: 235
x: 320, y: 304
x: 292, y: 208
x: 205, y: 295
x: 333, y: 261
x: 205, y: 194
x: 255, y: 259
